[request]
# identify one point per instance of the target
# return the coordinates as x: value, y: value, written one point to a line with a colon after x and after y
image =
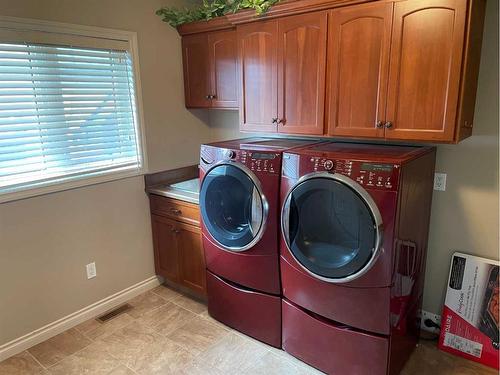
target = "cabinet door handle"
x: 275, y: 120
x: 213, y: 96
x: 388, y: 125
x: 207, y: 97
x: 175, y: 211
x: 176, y: 231
x: 379, y: 124
x: 282, y: 121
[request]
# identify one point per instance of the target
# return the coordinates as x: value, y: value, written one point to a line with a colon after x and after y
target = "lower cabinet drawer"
x: 252, y: 313
x: 175, y: 209
x: 334, y: 349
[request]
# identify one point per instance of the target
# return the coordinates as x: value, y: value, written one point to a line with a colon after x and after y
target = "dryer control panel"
x: 374, y: 175
x: 267, y: 162
x: 263, y: 161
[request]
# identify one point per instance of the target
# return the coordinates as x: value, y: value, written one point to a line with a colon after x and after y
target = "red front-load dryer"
x: 239, y: 205
x: 355, y: 220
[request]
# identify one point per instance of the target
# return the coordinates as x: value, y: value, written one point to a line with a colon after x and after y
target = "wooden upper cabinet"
x: 222, y: 68
x: 209, y: 62
x: 358, y: 67
x: 196, y: 65
x: 399, y: 70
x: 301, y: 73
x: 257, y: 57
x: 425, y: 69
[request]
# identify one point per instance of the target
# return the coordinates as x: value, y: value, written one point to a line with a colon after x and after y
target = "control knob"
x: 231, y: 154
x: 328, y: 165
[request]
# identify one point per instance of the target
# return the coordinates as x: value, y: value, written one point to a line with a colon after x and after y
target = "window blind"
x: 65, y: 113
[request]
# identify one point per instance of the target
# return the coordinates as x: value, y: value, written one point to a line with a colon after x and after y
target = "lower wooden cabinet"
x: 165, y: 248
x: 178, y: 250
x: 191, y: 257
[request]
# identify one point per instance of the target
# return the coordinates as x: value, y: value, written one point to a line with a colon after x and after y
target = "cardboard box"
x: 469, y: 322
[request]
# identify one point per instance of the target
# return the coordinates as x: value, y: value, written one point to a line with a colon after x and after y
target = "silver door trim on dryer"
x: 265, y: 205
x: 368, y: 200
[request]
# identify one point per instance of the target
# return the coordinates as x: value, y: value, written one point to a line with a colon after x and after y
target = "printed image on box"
x: 469, y: 325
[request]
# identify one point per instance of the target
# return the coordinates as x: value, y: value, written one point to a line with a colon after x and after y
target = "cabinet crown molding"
x: 283, y: 8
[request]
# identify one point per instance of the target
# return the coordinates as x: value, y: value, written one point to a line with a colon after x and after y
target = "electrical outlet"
x: 91, y: 270
x: 434, y: 317
x: 440, y: 181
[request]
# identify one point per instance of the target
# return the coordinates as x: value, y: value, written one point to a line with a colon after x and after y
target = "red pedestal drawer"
x: 334, y: 349
x: 252, y: 313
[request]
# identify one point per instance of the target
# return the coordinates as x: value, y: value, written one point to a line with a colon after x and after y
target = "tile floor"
x: 168, y: 333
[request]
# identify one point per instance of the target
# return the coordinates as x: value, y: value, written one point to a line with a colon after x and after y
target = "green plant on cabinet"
x: 210, y: 9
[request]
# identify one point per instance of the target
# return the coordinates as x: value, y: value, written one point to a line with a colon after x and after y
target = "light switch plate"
x: 91, y: 270
x: 440, y: 181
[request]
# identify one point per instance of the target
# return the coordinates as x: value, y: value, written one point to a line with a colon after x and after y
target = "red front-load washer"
x: 355, y: 220
x: 239, y: 205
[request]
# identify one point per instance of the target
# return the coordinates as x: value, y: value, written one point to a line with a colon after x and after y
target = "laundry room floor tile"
x: 59, y: 347
x: 190, y: 304
x: 167, y: 332
x: 21, y: 364
x: 165, y: 292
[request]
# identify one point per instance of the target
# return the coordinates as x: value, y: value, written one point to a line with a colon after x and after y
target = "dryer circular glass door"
x: 332, y: 227
x: 233, y: 208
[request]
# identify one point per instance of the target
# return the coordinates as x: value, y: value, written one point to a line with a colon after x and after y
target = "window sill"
x: 76, y: 182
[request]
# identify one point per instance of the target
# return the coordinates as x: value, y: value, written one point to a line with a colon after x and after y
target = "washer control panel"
x: 374, y: 175
x: 258, y: 161
x: 267, y: 162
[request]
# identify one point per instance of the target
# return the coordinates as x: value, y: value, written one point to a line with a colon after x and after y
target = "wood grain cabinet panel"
x: 222, y: 57
x: 192, y: 259
x: 196, y: 65
x: 425, y: 69
x: 257, y: 57
x: 398, y: 70
x: 165, y: 248
x: 175, y: 209
x: 209, y: 62
x: 301, y: 73
x: 178, y: 249
x: 358, y: 67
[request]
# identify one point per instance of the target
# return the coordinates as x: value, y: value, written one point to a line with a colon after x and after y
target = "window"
x: 68, y: 113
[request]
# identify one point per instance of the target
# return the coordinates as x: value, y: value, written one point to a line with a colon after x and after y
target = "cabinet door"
x: 192, y: 260
x: 424, y: 78
x: 165, y: 248
x: 222, y: 56
x: 301, y: 73
x: 257, y: 49
x: 358, y: 66
x: 196, y: 65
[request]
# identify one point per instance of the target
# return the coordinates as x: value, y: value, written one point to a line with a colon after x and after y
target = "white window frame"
x: 91, y: 178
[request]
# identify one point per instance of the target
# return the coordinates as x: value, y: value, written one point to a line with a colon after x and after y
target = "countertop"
x: 181, y: 183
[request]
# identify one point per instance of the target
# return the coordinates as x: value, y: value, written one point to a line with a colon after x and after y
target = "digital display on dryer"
x: 376, y: 167
x: 261, y: 156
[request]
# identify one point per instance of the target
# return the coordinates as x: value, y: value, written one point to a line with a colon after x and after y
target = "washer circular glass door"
x: 232, y: 206
x: 332, y: 227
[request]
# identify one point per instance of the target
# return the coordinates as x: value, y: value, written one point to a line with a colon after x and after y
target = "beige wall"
x: 465, y: 216
x: 46, y: 241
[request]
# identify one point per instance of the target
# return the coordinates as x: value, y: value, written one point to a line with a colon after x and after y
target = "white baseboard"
x: 41, y: 334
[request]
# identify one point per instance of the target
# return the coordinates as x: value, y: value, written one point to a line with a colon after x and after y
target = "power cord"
x: 431, y: 324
